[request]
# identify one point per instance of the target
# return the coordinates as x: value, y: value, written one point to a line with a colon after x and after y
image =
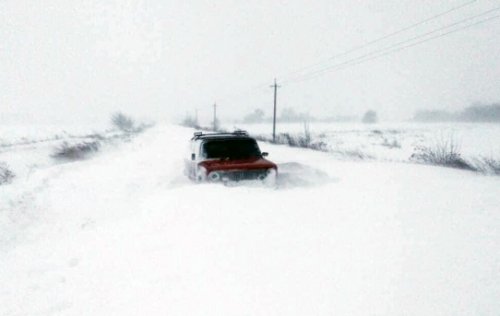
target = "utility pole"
x: 215, y: 117
x: 275, y: 86
x: 196, y: 115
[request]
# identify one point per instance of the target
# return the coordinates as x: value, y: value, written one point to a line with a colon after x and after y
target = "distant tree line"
x: 289, y: 115
x: 474, y: 113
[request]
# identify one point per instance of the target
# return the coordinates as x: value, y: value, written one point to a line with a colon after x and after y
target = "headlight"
x: 214, y: 176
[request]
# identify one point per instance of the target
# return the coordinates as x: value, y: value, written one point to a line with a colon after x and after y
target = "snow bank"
x: 125, y: 233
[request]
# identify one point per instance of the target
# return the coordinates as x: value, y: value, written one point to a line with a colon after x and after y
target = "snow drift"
x: 124, y: 233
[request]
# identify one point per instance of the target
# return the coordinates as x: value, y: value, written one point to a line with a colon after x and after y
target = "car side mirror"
x: 193, y: 156
x: 264, y: 154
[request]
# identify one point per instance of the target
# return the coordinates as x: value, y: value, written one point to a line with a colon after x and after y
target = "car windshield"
x: 231, y: 148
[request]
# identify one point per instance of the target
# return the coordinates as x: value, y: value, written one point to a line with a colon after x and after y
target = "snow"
x: 393, y: 141
x: 26, y: 148
x: 124, y: 233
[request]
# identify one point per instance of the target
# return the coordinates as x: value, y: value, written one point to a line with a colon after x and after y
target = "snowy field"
x: 26, y: 148
x: 124, y: 233
x: 392, y: 141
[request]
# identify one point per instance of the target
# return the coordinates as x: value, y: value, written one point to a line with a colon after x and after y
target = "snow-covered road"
x: 125, y: 233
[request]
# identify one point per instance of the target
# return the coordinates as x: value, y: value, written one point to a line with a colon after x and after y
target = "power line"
x: 380, y: 52
x: 354, y: 49
x: 384, y: 37
x: 396, y: 47
x: 390, y: 51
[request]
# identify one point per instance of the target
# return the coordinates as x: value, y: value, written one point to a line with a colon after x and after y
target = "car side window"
x: 201, y: 152
x: 197, y: 150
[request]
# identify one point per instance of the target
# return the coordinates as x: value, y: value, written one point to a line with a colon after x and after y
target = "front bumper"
x: 241, y: 175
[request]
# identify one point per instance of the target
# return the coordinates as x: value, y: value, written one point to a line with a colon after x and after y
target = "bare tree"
x: 6, y: 175
x: 370, y: 117
x: 123, y: 122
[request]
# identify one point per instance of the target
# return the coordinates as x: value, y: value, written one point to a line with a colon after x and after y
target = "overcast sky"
x: 70, y: 61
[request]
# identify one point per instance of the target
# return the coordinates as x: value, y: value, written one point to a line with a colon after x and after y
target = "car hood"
x: 238, y: 164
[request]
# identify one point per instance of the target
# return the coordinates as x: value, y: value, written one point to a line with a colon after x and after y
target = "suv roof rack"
x: 238, y: 132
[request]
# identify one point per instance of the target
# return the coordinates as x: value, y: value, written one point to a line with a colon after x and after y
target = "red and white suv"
x: 228, y: 157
